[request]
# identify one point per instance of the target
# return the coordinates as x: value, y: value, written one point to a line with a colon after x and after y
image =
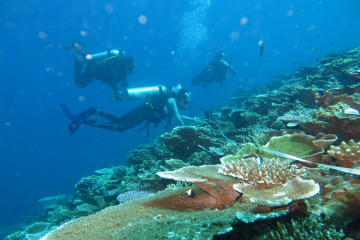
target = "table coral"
x: 299, y: 145
x: 295, y: 189
x: 139, y: 219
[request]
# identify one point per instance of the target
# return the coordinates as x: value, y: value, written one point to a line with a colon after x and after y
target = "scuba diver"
x: 161, y: 103
x: 214, y: 71
x: 110, y: 67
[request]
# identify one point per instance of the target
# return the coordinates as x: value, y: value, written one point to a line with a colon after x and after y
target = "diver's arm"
x: 119, y: 93
x: 179, y: 117
x: 194, y: 119
x: 174, y: 109
x: 229, y: 66
x: 232, y: 69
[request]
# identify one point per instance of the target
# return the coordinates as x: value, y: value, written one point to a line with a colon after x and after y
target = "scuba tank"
x: 102, y: 56
x: 145, y: 92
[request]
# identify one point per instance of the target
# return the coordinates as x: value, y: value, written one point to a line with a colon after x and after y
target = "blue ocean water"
x: 170, y: 42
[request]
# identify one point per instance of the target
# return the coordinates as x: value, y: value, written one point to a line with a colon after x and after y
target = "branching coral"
x: 272, y: 184
x: 307, y: 228
x: 271, y: 171
x: 346, y: 152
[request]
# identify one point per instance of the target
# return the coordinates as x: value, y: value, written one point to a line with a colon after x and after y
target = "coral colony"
x: 279, y: 164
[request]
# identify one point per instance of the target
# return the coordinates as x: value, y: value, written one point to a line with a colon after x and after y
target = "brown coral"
x: 213, y: 190
x: 271, y: 171
x: 348, y: 154
x: 325, y: 140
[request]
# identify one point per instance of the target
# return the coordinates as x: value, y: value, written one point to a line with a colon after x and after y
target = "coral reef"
x: 314, y: 106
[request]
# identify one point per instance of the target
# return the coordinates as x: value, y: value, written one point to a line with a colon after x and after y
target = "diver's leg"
x: 112, y: 118
x: 134, y: 117
x: 108, y: 126
x: 123, y: 123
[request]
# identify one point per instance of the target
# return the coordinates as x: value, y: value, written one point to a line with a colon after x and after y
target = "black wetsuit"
x: 152, y: 111
x: 214, y: 71
x: 112, y: 71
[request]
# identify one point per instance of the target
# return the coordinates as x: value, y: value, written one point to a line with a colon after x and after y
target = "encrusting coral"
x: 269, y: 171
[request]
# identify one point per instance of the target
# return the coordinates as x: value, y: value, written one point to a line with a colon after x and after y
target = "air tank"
x: 102, y: 55
x: 145, y: 92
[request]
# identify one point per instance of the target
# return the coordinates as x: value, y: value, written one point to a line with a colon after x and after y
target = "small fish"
x: 259, y: 160
x: 232, y: 141
x: 190, y: 193
x: 262, y: 46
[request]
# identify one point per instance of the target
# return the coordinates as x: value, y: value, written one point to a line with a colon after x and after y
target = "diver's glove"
x: 119, y: 95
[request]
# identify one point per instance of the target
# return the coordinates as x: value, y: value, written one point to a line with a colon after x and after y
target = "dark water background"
x: 39, y: 158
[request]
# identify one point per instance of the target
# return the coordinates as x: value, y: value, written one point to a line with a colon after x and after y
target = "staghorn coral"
x: 295, y: 189
x: 304, y: 228
x: 349, y: 153
x: 271, y: 171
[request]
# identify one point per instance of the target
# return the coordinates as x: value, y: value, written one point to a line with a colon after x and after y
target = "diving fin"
x: 78, y: 120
